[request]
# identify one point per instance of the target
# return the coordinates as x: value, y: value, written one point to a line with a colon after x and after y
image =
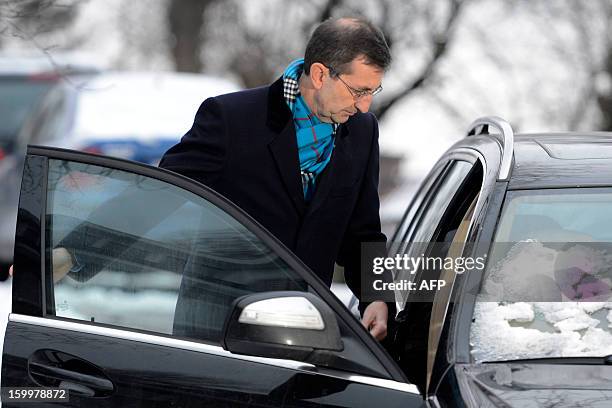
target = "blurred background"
x: 542, y: 65
x: 125, y: 78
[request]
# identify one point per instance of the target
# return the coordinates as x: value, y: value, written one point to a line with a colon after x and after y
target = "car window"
x: 408, y: 218
x: 432, y: 211
x: 442, y: 297
x: 437, y: 224
x: 547, y: 288
x: 148, y: 255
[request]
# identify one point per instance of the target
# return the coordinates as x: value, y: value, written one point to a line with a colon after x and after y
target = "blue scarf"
x: 315, y: 139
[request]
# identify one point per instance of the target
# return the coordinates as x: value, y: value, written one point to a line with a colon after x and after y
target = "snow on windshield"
x: 540, y: 329
x: 506, y: 328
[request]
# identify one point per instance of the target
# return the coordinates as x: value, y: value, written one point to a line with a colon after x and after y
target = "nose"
x: 363, y: 104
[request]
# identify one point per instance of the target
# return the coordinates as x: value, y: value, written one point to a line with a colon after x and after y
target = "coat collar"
x: 279, y: 113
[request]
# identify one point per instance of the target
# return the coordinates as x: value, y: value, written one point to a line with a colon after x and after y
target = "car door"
x: 125, y: 276
x: 431, y: 230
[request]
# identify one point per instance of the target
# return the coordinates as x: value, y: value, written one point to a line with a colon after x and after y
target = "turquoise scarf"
x: 315, y: 139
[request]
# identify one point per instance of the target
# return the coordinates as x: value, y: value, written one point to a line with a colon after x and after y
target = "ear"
x: 318, y: 72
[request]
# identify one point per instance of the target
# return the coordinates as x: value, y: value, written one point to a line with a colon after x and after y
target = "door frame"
x: 31, y: 303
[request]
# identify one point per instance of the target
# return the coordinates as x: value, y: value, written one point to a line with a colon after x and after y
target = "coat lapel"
x: 283, y: 145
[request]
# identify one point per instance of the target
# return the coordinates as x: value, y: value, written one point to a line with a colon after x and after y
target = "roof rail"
x: 481, y: 127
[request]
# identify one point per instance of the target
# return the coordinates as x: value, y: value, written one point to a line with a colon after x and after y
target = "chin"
x: 340, y: 118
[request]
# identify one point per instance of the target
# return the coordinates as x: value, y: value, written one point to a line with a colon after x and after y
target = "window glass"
x: 442, y: 299
x: 435, y: 208
x: 437, y: 224
x: 144, y: 254
x: 409, y: 215
x: 547, y: 289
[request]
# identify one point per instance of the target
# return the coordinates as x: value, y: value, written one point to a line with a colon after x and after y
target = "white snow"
x: 151, y: 310
x: 512, y: 277
x: 520, y: 312
x: 580, y: 322
x: 558, y: 329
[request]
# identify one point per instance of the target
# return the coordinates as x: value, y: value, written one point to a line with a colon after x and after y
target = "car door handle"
x: 51, y: 374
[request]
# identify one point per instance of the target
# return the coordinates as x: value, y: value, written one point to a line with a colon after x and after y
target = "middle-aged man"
x: 301, y: 155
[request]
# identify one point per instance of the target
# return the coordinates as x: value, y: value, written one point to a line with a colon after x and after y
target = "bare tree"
x: 604, y: 94
x: 437, y: 40
x: 265, y: 40
x: 186, y: 19
x: 579, y: 37
x: 26, y: 19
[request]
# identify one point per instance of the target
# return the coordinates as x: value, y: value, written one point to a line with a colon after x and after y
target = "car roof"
x: 27, y: 64
x: 142, y: 104
x: 556, y: 160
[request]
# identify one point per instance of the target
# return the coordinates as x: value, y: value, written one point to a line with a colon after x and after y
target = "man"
x: 301, y: 155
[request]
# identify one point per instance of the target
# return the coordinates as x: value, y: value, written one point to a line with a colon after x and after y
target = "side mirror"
x: 286, y: 325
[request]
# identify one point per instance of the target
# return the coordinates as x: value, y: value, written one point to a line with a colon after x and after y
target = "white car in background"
x: 131, y: 115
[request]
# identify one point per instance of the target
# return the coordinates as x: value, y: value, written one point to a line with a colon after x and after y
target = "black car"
x: 128, y: 328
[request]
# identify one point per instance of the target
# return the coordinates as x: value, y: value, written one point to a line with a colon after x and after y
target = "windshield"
x: 547, y: 288
x: 18, y: 96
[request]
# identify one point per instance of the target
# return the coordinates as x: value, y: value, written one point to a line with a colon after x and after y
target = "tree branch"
x: 323, y: 14
x: 441, y: 44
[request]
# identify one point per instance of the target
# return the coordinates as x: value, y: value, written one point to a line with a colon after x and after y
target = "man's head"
x: 344, y: 64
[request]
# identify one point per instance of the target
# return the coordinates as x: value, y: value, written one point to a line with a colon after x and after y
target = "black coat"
x: 243, y: 145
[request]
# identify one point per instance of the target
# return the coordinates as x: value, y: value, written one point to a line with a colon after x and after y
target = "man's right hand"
x: 62, y: 263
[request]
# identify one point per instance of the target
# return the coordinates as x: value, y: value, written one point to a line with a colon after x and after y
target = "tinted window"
x: 437, y: 223
x: 409, y: 215
x: 433, y: 210
x: 547, y: 289
x: 148, y: 255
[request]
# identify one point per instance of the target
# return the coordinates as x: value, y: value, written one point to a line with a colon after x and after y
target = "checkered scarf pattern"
x: 315, y: 139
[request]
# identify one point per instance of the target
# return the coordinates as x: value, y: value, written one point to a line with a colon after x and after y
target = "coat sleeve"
x: 202, y: 153
x: 364, y: 228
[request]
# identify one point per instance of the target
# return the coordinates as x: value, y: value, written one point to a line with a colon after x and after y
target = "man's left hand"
x: 375, y: 319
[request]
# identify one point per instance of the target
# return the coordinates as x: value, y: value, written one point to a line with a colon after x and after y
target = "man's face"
x: 335, y: 100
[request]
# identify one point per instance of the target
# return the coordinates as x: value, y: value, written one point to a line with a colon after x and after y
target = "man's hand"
x: 62, y: 262
x: 375, y: 319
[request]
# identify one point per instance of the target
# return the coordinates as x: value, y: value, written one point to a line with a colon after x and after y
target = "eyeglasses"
x: 356, y: 93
